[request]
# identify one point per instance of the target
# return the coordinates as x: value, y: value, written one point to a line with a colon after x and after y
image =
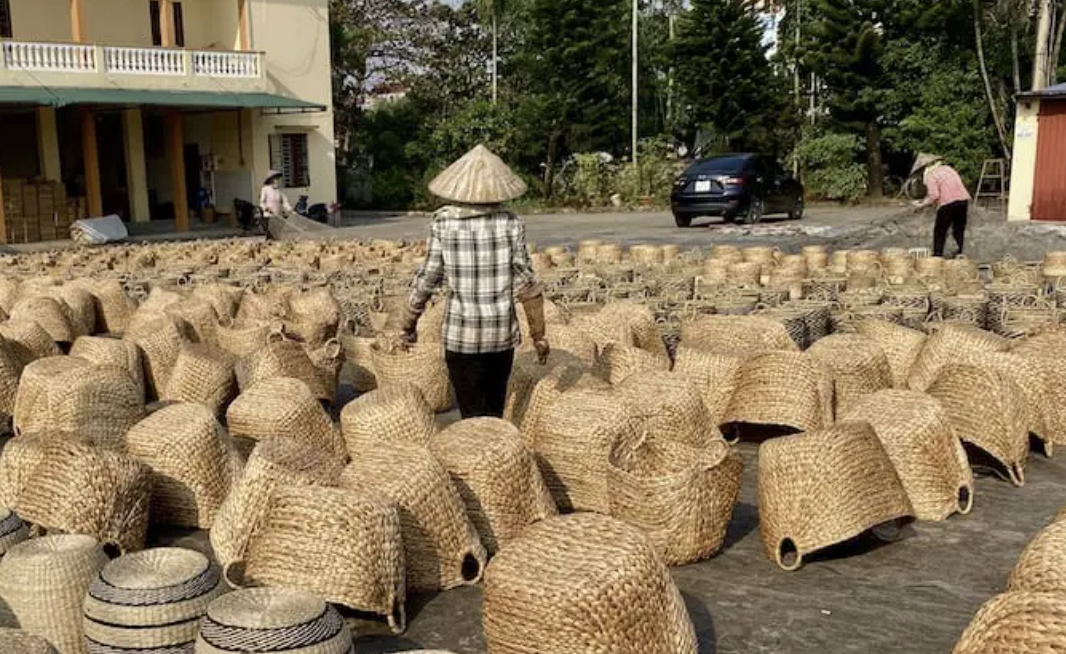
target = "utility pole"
x: 1042, y: 61
x: 636, y: 78
x: 671, y: 22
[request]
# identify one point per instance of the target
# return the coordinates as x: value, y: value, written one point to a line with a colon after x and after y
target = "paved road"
x: 639, y: 227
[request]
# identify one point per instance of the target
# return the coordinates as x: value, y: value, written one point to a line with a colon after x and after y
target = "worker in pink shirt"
x: 945, y: 190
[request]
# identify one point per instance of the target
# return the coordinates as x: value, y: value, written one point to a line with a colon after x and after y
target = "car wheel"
x: 729, y: 218
x: 797, y: 209
x: 755, y: 211
x: 683, y: 221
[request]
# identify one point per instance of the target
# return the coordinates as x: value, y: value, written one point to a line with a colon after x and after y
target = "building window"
x: 5, y: 19
x: 157, y: 24
x: 288, y: 156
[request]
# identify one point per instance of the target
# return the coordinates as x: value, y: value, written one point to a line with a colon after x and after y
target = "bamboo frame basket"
x: 280, y: 407
x: 572, y: 440
x: 857, y: 365
x: 681, y: 496
x: 496, y: 476
x: 918, y: 437
x: 194, y: 463
x: 398, y: 413
x: 43, y: 582
x: 987, y: 409
x: 1017, y: 623
x: 441, y: 547
x: 272, y: 621
x: 823, y: 488
x: 362, y: 567
x: 272, y: 462
x: 585, y: 579
x: 1042, y: 566
x: 422, y: 365
x: 150, y: 601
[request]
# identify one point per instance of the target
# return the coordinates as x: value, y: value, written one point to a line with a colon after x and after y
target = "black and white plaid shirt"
x: 482, y: 255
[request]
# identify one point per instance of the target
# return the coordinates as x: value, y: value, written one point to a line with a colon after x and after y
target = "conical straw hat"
x: 925, y: 159
x: 479, y: 177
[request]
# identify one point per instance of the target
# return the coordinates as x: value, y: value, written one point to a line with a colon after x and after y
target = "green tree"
x: 845, y: 50
x: 724, y: 80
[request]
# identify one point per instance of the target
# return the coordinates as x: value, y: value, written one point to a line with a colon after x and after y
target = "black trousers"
x: 950, y: 216
x: 480, y: 382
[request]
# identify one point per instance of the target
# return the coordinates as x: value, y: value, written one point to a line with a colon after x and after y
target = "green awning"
x: 65, y: 96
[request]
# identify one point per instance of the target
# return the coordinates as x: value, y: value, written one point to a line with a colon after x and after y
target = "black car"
x: 742, y: 187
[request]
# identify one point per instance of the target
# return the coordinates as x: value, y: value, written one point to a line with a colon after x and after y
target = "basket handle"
x: 333, y: 349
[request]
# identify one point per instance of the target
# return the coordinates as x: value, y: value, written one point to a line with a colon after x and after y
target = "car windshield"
x: 724, y: 164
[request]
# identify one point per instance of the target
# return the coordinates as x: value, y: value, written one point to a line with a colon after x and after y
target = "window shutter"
x: 5, y: 19
x: 276, y: 159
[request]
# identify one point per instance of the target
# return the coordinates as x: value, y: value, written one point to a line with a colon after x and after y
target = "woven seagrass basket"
x: 107, y: 351
x: 785, y: 389
x: 825, y: 487
x: 441, y: 547
x: 273, y: 462
x: 681, y: 496
x: 272, y: 621
x: 496, y: 476
x: 1042, y: 566
x: 28, y: 340
x: 398, y: 413
x: 280, y: 407
x: 585, y: 579
x: 43, y: 582
x: 918, y: 437
x: 857, y: 365
x: 16, y: 641
x: 194, y: 463
x: 150, y: 600
x: 1017, y: 623
x: 422, y: 365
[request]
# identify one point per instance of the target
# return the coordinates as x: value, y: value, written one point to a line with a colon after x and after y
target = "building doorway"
x: 114, y: 186
x: 1049, y: 184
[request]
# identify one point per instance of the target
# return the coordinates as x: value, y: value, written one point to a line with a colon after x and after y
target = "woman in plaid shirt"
x: 479, y: 250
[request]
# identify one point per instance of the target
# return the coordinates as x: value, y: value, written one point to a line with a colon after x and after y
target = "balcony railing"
x: 74, y: 58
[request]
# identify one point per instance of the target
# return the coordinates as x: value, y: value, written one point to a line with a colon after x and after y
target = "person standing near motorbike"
x: 479, y: 249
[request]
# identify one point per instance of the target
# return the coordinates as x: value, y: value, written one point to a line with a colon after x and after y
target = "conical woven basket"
x: 902, y: 346
x: 203, y: 374
x: 825, y: 487
x: 585, y: 579
x: 857, y: 365
x: 272, y: 621
x: 194, y: 463
x: 671, y: 408
x: 988, y: 410
x: 16, y: 641
x: 43, y: 583
x: 918, y: 437
x: 423, y: 366
x: 80, y: 489
x: 573, y: 439
x: 28, y: 340
x: 740, y: 334
x: 107, y: 351
x: 150, y: 601
x: 1017, y: 623
x: 30, y: 413
x: 1042, y: 566
x: 528, y: 373
x: 398, y: 413
x: 281, y: 357
x: 283, y: 408
x: 787, y: 389
x: 951, y: 344
x: 496, y: 476
x: 681, y: 496
x: 362, y: 567
x: 617, y: 363
x: 441, y: 546
x: 160, y: 341
x: 272, y: 462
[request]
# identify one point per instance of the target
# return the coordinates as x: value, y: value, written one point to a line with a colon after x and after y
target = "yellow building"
x: 144, y: 107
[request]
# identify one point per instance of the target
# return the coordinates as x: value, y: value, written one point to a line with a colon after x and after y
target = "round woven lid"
x: 272, y: 620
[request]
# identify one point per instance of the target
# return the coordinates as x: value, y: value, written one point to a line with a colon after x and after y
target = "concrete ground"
x: 915, y: 596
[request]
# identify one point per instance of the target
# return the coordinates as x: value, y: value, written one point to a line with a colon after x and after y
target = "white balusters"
x: 50, y: 57
x: 226, y: 64
x: 144, y: 61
